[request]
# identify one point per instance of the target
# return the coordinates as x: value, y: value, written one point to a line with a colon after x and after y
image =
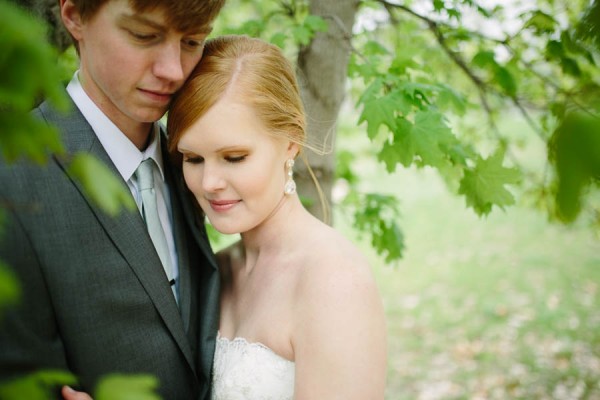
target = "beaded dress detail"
x: 250, y: 371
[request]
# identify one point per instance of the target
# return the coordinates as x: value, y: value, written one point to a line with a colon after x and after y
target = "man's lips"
x: 222, y: 205
x: 157, y: 95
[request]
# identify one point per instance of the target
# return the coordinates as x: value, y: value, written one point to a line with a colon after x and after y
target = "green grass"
x: 503, y: 307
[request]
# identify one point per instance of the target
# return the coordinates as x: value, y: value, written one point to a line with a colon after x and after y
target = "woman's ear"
x: 71, y: 18
x: 293, y: 150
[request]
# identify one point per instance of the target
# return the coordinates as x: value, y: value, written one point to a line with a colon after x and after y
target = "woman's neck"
x: 275, y: 234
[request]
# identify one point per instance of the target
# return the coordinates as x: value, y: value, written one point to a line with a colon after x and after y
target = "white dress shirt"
x: 127, y: 157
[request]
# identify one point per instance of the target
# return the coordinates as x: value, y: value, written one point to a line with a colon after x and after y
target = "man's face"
x: 132, y: 63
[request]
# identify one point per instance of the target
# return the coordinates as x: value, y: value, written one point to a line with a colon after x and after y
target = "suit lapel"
x: 127, y: 230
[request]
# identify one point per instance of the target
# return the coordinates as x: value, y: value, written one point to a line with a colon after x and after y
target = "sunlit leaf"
x: 377, y: 112
x: 484, y: 184
x: 127, y: 387
x: 431, y: 137
x: 589, y: 27
x: 400, y: 150
x: 103, y: 187
x: 42, y: 385
x: 541, y: 22
x: 316, y: 23
x: 26, y: 136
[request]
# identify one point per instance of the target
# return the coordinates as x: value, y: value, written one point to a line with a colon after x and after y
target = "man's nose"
x: 168, y: 64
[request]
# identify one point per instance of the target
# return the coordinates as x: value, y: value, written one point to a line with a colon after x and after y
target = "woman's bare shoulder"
x: 333, y: 263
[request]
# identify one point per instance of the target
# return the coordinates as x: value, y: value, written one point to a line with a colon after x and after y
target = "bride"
x: 300, y: 316
x: 300, y: 313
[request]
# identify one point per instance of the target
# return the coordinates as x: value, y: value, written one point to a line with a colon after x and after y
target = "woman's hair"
x: 253, y: 71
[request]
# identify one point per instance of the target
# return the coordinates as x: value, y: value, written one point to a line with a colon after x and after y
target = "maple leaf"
x: 483, y: 185
x: 431, y: 138
x: 398, y: 150
x: 378, y: 111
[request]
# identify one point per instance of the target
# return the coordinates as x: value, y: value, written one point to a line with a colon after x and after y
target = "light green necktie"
x: 145, y: 177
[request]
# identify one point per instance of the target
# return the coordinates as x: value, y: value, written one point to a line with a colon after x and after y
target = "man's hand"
x: 71, y: 394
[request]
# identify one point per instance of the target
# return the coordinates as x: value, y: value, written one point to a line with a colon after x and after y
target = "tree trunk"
x: 322, y: 71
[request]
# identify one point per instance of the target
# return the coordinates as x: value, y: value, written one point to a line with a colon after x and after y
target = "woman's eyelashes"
x: 230, y: 158
x: 235, y: 158
x: 192, y: 159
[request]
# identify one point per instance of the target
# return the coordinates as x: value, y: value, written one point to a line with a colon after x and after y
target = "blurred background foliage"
x: 490, y: 103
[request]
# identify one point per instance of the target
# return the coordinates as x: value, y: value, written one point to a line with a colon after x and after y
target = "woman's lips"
x: 222, y: 205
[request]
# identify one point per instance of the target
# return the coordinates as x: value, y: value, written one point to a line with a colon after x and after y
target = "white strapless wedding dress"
x: 250, y: 371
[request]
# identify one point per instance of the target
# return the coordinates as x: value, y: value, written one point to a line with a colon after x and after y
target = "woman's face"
x: 234, y: 167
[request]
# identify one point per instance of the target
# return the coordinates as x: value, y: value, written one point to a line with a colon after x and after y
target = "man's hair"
x: 183, y: 15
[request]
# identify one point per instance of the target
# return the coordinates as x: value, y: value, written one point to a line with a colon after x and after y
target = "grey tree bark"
x: 322, y: 70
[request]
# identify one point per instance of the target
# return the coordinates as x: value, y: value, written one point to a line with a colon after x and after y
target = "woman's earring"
x: 290, y: 185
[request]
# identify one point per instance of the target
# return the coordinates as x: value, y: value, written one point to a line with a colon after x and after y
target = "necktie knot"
x: 145, y: 174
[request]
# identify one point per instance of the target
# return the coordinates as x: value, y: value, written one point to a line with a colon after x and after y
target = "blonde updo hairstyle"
x: 254, y: 71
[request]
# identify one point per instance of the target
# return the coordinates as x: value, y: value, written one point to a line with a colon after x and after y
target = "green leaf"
x: 10, y: 290
x: 399, y: 150
x: 376, y: 213
x: 253, y: 27
x: 570, y: 67
x: 28, y: 63
x: 431, y: 138
x: 373, y: 48
x: 343, y: 167
x: 388, y: 240
x: 454, y: 13
x: 541, y: 22
x: 28, y: 71
x: 449, y: 98
x: 419, y: 92
x: 316, y: 23
x: 105, y: 189
x: 575, y: 153
x: 302, y: 34
x: 41, y: 385
x: 588, y: 28
x: 554, y: 49
x: 506, y: 81
x: 484, y: 59
x: 278, y: 39
x: 127, y: 387
x: 484, y: 185
x: 377, y: 112
x: 23, y: 135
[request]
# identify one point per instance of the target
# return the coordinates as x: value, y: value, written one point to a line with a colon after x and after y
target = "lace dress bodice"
x: 250, y: 371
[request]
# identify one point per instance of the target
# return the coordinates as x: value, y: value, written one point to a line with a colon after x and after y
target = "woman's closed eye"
x: 193, y: 159
x: 235, y: 158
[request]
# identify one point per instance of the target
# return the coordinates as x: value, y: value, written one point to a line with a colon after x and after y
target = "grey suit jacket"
x: 94, y: 296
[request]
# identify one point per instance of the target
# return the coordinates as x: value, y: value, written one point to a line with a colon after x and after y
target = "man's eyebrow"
x: 128, y: 18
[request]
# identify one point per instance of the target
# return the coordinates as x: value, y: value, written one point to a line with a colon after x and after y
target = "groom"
x: 97, y: 296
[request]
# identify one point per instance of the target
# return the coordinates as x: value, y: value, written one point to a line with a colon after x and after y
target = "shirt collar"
x: 123, y: 153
